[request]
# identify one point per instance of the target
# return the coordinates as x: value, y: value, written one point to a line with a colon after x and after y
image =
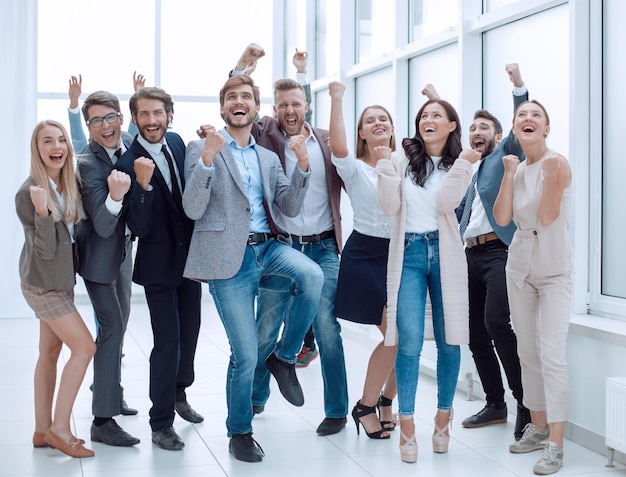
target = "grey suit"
x: 106, y: 267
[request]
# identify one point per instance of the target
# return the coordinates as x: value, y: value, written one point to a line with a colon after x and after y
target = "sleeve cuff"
x: 113, y: 206
x: 521, y: 91
x: 235, y: 72
x: 75, y: 110
x: 301, y: 78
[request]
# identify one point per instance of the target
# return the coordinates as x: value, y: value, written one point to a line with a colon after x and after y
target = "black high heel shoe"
x: 385, y: 402
x: 360, y: 411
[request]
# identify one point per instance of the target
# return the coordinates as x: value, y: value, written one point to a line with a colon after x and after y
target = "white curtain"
x: 18, y: 83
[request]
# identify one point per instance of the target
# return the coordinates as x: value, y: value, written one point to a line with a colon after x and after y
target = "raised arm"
x: 79, y: 140
x: 247, y: 61
x: 300, y: 61
x: 337, y: 128
x: 430, y: 92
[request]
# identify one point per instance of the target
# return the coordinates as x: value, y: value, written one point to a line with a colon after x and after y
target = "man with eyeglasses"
x: 105, y: 263
x: 155, y: 162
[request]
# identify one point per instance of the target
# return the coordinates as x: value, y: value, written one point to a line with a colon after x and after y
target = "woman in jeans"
x: 420, y: 187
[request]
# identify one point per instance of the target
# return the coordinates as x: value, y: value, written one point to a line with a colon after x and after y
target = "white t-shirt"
x: 421, y: 206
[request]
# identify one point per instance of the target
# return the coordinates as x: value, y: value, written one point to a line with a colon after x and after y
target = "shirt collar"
x: 232, y: 143
x: 153, y: 149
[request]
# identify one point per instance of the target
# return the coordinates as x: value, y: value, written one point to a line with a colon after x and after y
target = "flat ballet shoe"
x: 73, y: 449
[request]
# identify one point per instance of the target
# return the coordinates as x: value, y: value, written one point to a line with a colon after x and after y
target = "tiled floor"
x: 286, y: 433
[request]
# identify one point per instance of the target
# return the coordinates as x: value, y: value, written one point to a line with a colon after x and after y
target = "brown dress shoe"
x: 73, y: 449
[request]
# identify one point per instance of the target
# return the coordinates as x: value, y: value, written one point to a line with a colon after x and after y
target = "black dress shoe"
x: 488, y: 415
x: 257, y: 409
x: 245, y: 448
x: 167, y: 439
x: 523, y: 418
x: 287, y: 379
x: 185, y: 411
x: 127, y: 411
x: 112, y: 434
x: 331, y: 425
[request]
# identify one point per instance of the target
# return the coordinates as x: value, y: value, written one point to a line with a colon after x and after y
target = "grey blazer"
x: 47, y: 258
x: 216, y: 199
x: 100, y: 237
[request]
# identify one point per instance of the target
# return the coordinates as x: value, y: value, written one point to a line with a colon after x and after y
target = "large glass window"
x: 613, y: 283
x: 375, y: 28
x: 439, y: 68
x: 327, y: 32
x: 189, y: 53
x: 543, y: 74
x: 432, y: 16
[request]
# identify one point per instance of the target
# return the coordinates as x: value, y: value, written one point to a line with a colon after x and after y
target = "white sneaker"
x: 551, y: 459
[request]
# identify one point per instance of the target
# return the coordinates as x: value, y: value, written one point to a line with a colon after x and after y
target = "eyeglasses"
x: 109, y: 118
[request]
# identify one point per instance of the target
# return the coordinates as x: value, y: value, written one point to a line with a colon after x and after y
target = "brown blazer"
x: 47, y: 258
x: 268, y: 134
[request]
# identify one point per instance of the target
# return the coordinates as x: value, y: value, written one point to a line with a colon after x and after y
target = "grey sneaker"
x: 531, y: 440
x: 551, y: 459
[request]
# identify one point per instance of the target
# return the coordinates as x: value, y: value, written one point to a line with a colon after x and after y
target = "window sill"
x: 606, y: 330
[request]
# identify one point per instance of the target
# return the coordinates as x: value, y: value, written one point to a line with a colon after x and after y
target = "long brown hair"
x: 420, y: 164
x: 68, y: 177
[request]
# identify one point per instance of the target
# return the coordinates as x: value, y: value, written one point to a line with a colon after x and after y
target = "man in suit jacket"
x: 315, y: 231
x: 233, y: 188
x: 155, y: 162
x: 486, y: 251
x: 105, y: 262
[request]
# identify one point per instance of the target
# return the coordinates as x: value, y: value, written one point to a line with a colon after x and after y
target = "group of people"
x: 475, y: 239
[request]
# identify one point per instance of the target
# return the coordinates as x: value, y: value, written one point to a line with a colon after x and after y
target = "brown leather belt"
x: 317, y: 238
x: 480, y: 240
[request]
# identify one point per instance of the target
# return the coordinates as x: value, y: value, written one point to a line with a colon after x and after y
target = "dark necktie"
x: 178, y: 197
x: 117, y: 154
x: 467, y: 209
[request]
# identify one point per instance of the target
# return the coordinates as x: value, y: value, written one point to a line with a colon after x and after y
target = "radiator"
x: 615, y: 416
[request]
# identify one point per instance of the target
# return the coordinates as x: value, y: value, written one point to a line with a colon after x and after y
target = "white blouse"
x: 360, y: 180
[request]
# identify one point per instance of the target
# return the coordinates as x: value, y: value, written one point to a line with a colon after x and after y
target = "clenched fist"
x: 119, y: 184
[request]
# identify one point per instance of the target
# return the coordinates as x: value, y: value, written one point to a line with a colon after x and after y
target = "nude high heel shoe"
x: 440, y: 439
x: 408, y: 450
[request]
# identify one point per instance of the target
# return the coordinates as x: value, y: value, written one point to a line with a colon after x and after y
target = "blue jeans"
x: 272, y: 307
x: 420, y: 272
x: 273, y: 266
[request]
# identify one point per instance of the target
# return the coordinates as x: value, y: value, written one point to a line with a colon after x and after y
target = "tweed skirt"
x: 49, y: 305
x: 362, y: 283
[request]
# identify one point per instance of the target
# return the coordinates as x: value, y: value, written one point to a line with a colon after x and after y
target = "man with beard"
x: 486, y: 248
x: 234, y: 188
x: 315, y: 231
x: 155, y: 162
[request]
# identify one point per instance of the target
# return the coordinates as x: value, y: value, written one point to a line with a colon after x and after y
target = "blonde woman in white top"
x: 361, y: 288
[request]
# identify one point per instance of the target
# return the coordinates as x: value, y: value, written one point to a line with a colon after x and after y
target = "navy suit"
x: 489, y: 319
x: 164, y: 233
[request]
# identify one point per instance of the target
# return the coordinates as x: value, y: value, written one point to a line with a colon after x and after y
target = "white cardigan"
x: 453, y: 264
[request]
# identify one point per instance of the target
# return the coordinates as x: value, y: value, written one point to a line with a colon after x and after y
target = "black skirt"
x: 361, y: 287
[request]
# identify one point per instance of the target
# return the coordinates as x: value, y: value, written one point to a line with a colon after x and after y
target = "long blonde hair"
x: 68, y: 178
